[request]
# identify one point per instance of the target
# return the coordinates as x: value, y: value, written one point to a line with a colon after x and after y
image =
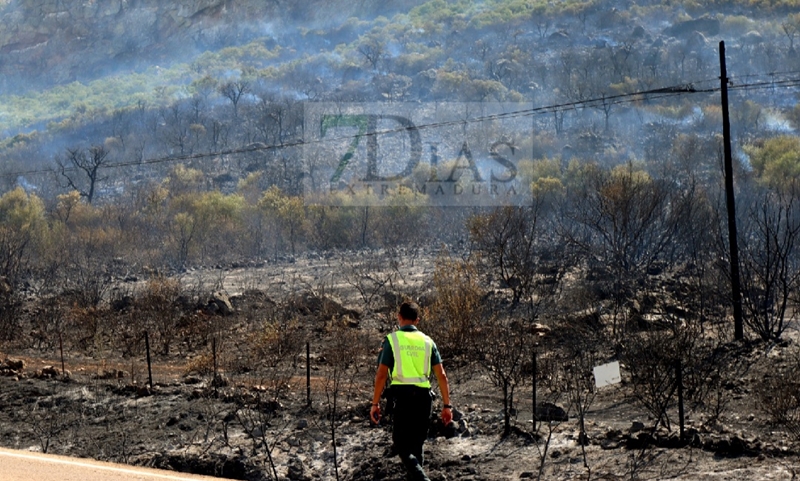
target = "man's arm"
x: 380, y: 381
x: 444, y: 389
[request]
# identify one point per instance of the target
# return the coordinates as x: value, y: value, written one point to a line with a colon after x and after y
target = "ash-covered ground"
x: 254, y: 422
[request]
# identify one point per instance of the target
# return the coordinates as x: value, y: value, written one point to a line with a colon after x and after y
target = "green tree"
x: 22, y: 226
x: 205, y: 224
x: 284, y: 215
x: 776, y: 161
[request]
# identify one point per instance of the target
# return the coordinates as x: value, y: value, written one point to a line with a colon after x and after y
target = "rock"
x: 219, y: 381
x: 310, y: 303
x: 220, y: 303
x: 192, y: 380
x: 636, y: 426
x: 15, y: 365
x: 301, y: 424
x: 463, y: 428
x: 608, y: 444
x: 47, y: 372
x: 561, y: 36
x: 5, y: 288
x: 640, y: 441
x: 539, y: 329
x: 110, y: 374
x: 450, y: 431
x: 550, y: 412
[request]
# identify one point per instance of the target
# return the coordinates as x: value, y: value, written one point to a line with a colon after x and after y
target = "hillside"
x: 46, y: 43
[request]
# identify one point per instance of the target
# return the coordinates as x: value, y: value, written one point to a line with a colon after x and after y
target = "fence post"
x: 149, y: 368
x: 61, y: 348
x: 214, y: 354
x: 308, y: 374
x: 533, y: 416
x: 679, y: 378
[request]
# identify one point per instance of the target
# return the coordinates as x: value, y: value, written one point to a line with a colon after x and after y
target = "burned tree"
x: 234, y: 91
x: 81, y: 169
x: 517, y: 246
x: 770, y: 269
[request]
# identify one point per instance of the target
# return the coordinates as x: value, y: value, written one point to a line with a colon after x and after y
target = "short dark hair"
x: 409, y: 311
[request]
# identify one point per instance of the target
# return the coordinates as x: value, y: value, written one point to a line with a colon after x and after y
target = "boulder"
x: 15, y: 365
x: 47, y: 372
x: 310, y: 303
x: 547, y: 411
x: 220, y: 303
x: 559, y: 37
x: 110, y: 374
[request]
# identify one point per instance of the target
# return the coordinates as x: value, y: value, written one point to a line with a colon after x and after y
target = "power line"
x: 596, y: 102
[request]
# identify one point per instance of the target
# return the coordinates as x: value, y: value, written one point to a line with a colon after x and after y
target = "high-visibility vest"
x: 412, y: 352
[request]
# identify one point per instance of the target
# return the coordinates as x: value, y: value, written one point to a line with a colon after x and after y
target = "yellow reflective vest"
x: 412, y: 352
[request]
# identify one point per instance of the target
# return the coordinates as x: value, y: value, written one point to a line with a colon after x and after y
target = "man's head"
x: 409, y: 312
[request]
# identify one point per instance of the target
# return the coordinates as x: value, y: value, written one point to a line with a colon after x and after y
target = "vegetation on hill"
x: 199, y: 159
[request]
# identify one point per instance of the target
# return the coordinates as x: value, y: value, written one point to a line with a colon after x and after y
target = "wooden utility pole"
x: 736, y: 291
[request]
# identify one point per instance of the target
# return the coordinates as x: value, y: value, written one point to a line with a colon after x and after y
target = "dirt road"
x: 27, y: 466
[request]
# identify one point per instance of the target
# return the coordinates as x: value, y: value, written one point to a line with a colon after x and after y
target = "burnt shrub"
x: 778, y: 393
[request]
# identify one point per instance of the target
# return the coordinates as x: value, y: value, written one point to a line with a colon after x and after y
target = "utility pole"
x: 736, y: 291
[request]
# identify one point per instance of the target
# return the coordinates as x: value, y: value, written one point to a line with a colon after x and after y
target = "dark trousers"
x: 412, y: 414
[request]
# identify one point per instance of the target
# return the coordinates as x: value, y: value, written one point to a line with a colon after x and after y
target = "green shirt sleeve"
x: 386, y: 357
x: 436, y: 358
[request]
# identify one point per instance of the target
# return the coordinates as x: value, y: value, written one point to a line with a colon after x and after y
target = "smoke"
x: 776, y: 122
x: 27, y: 186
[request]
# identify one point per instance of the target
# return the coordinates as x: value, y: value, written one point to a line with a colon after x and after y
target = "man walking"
x: 410, y: 356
